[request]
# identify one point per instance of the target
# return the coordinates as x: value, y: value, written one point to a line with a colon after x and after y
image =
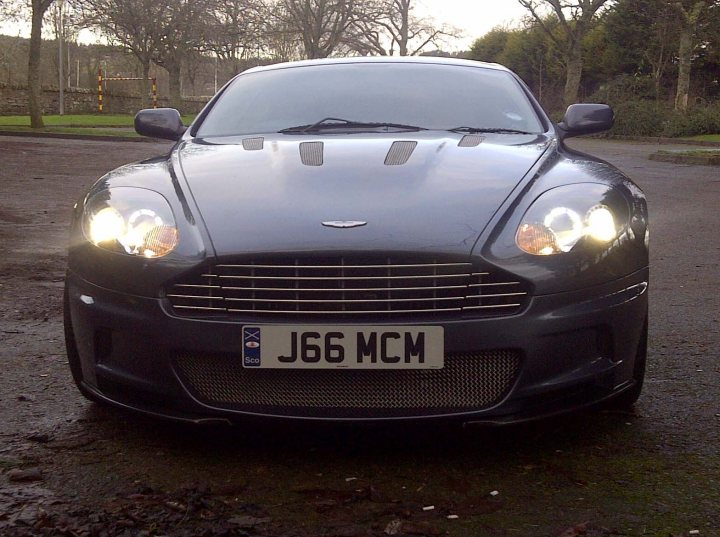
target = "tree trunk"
x: 404, y: 28
x: 684, y: 65
x: 174, y: 72
x: 34, y: 81
x: 145, y: 83
x: 574, y: 73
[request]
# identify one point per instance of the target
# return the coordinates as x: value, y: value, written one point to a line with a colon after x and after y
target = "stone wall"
x: 13, y: 101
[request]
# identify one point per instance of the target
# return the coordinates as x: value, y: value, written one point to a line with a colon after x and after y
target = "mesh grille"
x: 253, y: 144
x: 471, y: 381
x: 471, y: 140
x: 400, y: 153
x: 311, y: 153
x: 345, y: 288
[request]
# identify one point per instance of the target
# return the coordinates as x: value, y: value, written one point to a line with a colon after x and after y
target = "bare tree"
x: 182, y: 29
x: 132, y: 24
x: 39, y: 7
x: 388, y: 26
x: 576, y: 18
x: 10, y: 56
x: 320, y: 24
x: 236, y: 29
x: 280, y: 41
x: 689, y: 18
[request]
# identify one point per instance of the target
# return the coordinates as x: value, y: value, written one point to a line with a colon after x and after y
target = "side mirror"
x: 586, y: 119
x: 164, y: 123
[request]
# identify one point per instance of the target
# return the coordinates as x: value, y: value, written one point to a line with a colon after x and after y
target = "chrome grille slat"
x: 500, y: 295
x: 493, y: 284
x: 337, y: 287
x: 494, y: 306
x: 341, y: 301
x: 346, y: 278
x: 359, y: 289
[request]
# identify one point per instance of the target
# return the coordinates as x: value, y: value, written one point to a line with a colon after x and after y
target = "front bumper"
x: 576, y: 349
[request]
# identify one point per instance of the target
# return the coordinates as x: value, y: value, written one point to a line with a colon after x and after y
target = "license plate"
x: 343, y: 347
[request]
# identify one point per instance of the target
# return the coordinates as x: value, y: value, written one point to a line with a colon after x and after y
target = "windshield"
x: 429, y: 96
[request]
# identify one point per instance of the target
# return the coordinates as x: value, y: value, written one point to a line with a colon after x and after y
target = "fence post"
x: 100, y: 90
x: 154, y: 92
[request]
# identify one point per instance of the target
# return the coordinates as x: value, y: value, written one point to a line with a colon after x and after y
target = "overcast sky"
x: 474, y: 17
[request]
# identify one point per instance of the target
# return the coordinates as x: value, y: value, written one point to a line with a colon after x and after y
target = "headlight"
x: 129, y: 220
x: 566, y: 217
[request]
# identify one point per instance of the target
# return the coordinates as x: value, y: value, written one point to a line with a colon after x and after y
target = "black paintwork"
x: 231, y: 197
x: 586, y: 119
x: 164, y: 123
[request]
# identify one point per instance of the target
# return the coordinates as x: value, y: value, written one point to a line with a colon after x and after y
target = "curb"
x: 697, y: 160
x: 90, y: 137
x: 662, y: 141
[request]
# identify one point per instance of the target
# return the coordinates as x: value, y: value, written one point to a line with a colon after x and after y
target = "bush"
x: 648, y: 118
x: 698, y: 120
x: 640, y: 118
x: 624, y: 88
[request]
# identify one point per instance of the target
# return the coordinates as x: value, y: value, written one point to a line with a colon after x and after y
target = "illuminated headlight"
x: 129, y: 220
x: 564, y: 217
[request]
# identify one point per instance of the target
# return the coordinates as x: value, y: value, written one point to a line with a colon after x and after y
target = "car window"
x: 425, y: 95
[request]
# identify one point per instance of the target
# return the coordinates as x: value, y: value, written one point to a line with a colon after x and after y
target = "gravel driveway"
x: 68, y: 467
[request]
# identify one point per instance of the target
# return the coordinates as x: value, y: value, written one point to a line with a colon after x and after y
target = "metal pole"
x: 77, y: 73
x: 69, y: 73
x: 216, y: 70
x: 100, y: 89
x: 61, y: 77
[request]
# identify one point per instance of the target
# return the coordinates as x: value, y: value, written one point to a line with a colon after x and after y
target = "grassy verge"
x: 705, y: 138
x: 693, y: 157
x: 79, y: 121
x: 91, y: 131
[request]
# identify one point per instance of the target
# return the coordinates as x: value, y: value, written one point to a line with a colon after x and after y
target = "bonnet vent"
x: 253, y: 144
x: 471, y: 140
x: 311, y: 153
x: 400, y: 153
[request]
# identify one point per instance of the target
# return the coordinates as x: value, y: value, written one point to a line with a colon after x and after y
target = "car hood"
x: 417, y: 192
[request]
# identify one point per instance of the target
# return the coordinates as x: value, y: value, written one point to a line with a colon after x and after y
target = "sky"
x: 473, y: 17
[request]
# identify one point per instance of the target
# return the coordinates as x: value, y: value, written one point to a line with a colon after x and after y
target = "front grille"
x: 347, y: 289
x: 469, y: 381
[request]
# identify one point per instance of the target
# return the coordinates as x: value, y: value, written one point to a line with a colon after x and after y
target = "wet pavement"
x: 69, y: 467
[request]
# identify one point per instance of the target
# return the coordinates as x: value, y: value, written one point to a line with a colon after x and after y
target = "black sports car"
x: 362, y: 239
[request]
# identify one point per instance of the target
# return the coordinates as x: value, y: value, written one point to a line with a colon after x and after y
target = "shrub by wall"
x: 648, y: 118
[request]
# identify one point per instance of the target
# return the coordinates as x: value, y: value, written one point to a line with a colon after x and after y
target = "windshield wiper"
x: 337, y: 123
x: 477, y: 130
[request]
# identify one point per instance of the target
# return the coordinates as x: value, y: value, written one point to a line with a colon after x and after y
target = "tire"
x: 71, y: 350
x: 629, y: 397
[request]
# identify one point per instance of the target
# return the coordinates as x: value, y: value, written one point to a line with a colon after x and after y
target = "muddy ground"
x: 69, y: 467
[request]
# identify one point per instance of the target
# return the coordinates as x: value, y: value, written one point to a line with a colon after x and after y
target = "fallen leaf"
x: 419, y: 528
x: 393, y: 527
x: 575, y: 531
x: 248, y: 521
x: 29, y: 474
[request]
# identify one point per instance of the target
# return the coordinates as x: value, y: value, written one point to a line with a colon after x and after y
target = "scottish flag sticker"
x: 251, y: 347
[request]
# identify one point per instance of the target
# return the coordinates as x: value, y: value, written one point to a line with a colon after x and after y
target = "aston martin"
x: 362, y: 239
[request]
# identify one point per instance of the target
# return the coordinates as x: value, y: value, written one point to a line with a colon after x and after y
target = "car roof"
x: 433, y: 60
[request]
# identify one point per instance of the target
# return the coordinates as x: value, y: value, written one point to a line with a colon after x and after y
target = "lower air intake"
x: 469, y: 381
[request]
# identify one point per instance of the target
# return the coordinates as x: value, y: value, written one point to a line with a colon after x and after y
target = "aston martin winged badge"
x: 344, y: 224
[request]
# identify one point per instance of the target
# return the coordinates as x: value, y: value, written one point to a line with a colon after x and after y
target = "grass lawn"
x: 705, y: 138
x: 93, y: 131
x: 74, y: 121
